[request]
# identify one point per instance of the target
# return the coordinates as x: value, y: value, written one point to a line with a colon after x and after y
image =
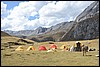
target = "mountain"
x: 39, y: 30
x: 53, y: 33
x: 86, y: 25
x: 43, y: 34
x: 19, y: 33
x: 4, y: 34
x: 90, y: 11
x: 63, y: 26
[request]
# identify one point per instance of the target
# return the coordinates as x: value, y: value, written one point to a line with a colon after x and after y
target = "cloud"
x: 44, y: 13
x: 3, y: 7
x: 4, y: 11
x: 32, y: 24
x: 61, y: 11
x: 5, y: 24
x: 19, y: 15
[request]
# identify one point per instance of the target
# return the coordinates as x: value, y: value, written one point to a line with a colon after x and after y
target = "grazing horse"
x: 84, y: 49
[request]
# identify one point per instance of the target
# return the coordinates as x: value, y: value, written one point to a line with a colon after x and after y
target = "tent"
x: 30, y: 48
x: 77, y: 46
x: 53, y: 46
x: 20, y: 48
x: 42, y: 48
x: 63, y: 47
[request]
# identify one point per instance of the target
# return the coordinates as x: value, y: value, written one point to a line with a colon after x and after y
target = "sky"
x: 29, y: 15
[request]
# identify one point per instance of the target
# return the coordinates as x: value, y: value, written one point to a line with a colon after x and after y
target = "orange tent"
x: 42, y: 48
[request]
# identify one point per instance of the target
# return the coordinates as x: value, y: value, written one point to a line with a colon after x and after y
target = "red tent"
x: 42, y: 48
x: 53, y: 46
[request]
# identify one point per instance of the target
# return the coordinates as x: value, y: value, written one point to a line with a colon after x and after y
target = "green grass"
x: 9, y: 57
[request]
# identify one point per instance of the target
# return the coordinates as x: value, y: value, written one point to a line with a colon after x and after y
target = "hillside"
x: 53, y: 33
x: 4, y: 34
x: 86, y: 25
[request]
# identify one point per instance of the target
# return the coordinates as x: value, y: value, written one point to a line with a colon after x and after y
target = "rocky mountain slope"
x: 61, y: 27
x: 86, y: 25
x: 53, y: 33
x: 38, y: 31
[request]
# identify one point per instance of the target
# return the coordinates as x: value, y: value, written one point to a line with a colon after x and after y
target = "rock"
x: 92, y: 49
x: 97, y: 55
x: 8, y: 54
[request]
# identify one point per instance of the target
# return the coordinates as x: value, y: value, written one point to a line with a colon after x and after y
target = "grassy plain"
x: 10, y: 57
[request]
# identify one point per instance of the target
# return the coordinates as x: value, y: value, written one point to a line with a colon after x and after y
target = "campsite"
x: 49, y: 33
x: 60, y: 57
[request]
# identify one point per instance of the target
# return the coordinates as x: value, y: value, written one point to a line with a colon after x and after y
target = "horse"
x: 84, y: 49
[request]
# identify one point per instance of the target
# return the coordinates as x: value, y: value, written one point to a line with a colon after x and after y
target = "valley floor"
x: 10, y: 57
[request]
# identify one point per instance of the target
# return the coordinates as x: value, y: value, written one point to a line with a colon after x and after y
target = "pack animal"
x: 84, y: 49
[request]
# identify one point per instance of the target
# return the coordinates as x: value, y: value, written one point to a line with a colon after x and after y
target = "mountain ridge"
x: 84, y: 26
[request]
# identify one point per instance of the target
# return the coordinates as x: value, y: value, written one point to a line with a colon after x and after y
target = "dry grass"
x: 9, y: 57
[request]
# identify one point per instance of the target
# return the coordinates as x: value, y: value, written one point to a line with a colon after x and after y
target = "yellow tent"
x: 77, y: 46
x: 30, y: 48
x: 63, y: 47
x: 20, y: 48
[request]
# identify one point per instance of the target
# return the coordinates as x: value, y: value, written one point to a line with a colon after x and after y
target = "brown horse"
x: 84, y: 49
